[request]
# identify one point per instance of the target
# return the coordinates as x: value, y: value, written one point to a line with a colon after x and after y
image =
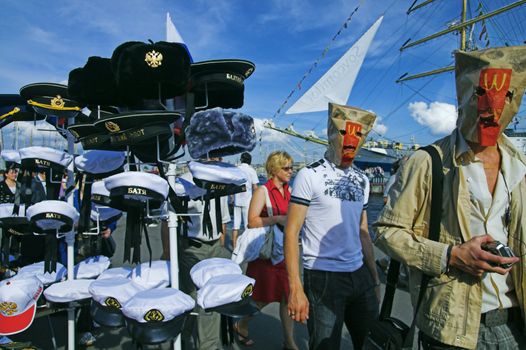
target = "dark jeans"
x: 335, y: 298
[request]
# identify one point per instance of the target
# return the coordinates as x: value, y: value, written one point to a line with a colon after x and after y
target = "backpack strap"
x: 434, y: 234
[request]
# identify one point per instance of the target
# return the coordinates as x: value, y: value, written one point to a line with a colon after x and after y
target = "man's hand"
x: 471, y: 258
x: 298, y: 306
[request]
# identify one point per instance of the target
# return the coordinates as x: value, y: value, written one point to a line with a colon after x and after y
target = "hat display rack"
x: 146, y: 103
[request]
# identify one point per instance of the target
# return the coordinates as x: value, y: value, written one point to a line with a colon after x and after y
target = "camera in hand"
x: 497, y: 248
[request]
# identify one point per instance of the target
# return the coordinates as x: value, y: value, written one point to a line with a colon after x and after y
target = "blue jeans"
x: 335, y: 298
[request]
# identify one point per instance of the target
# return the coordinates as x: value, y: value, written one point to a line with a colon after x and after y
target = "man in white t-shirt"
x: 328, y: 204
x: 196, y: 244
x: 242, y: 199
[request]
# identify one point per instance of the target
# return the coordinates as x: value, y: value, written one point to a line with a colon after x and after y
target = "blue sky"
x: 43, y: 41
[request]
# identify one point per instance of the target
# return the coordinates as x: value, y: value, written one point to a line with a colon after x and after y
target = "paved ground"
x: 265, y: 328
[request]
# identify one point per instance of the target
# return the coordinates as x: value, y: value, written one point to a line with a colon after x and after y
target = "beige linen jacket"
x: 450, y: 311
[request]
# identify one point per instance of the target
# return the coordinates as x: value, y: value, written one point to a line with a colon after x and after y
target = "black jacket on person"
x: 38, y: 192
x: 6, y: 196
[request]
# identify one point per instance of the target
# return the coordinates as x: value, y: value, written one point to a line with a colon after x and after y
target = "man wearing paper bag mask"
x: 475, y: 298
x: 329, y: 199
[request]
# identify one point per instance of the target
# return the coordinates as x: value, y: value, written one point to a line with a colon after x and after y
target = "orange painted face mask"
x: 493, y: 94
x: 347, y: 129
x: 352, y: 135
x: 490, y: 85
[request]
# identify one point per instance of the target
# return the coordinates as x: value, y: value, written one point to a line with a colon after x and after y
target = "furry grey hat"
x: 217, y: 133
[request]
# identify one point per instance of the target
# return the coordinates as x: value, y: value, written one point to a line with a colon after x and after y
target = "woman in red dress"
x: 271, y: 280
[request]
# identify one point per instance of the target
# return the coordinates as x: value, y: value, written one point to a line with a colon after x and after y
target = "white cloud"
x: 439, y: 117
x: 379, y: 127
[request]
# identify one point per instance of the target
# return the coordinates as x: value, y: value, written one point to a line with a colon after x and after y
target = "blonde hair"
x: 275, y: 161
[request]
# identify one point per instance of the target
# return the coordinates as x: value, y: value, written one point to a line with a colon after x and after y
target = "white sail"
x: 336, y: 84
x: 172, y: 34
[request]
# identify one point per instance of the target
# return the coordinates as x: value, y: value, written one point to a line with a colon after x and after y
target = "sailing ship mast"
x: 460, y: 27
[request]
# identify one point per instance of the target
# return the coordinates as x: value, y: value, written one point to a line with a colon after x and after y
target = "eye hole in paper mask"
x: 492, y: 95
x: 352, y: 135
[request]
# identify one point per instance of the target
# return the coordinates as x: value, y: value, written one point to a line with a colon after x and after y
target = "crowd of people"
x: 328, y: 278
x: 475, y: 296
x: 29, y: 249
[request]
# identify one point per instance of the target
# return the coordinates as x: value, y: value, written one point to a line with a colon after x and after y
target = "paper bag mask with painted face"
x: 347, y: 129
x: 490, y: 84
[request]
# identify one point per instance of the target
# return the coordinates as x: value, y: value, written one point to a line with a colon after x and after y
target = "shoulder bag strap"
x: 434, y: 227
x: 267, y: 201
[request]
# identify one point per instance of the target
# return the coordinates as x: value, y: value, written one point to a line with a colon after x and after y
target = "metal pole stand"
x: 172, y: 229
x: 70, y: 242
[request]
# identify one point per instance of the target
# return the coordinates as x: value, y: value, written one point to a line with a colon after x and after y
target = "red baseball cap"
x: 18, y: 299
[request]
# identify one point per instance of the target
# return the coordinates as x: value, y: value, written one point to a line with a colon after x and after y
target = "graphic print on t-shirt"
x: 349, y: 187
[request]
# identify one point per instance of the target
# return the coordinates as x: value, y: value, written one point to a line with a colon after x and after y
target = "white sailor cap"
x: 218, y: 172
x: 208, y: 268
x: 183, y: 188
x: 91, y: 267
x: 52, y: 215
x: 44, y: 157
x: 37, y: 270
x: 135, y: 186
x: 155, y: 276
x: 170, y: 303
x: 157, y: 315
x: 249, y: 245
x: 116, y: 272
x: 114, y: 292
x: 10, y: 155
x: 100, y: 162
x: 68, y: 291
x: 99, y: 193
x: 109, y: 295
x: 18, y: 298
x: 231, y: 292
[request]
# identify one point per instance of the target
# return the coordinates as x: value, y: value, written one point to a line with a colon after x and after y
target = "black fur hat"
x: 217, y: 133
x: 151, y: 70
x: 94, y: 84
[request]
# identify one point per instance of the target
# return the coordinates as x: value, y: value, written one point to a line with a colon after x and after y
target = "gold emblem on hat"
x: 112, y: 302
x: 112, y: 127
x: 248, y: 291
x: 248, y: 72
x: 153, y: 59
x: 154, y: 315
x: 57, y: 102
x: 8, y: 308
x: 74, y: 133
